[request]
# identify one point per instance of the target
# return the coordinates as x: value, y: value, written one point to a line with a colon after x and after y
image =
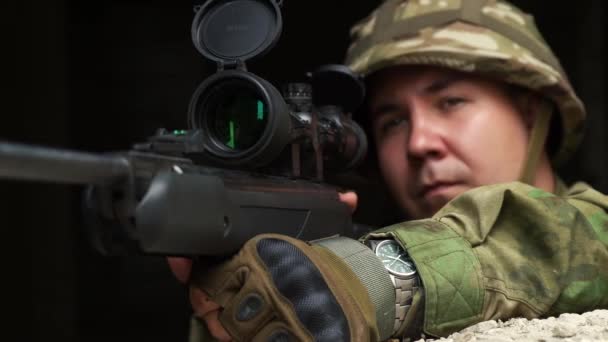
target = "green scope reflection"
x: 237, y: 117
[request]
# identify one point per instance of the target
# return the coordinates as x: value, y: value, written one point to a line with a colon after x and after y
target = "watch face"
x: 394, y: 258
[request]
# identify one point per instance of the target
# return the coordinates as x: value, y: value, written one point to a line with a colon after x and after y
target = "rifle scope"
x: 244, y: 120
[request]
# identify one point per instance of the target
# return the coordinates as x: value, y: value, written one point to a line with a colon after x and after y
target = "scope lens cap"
x: 337, y: 84
x: 228, y: 30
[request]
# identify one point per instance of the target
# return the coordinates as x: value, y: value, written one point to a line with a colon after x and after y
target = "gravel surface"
x: 590, y: 326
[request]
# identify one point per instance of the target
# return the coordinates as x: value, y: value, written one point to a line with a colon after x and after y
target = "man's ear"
x: 530, y: 104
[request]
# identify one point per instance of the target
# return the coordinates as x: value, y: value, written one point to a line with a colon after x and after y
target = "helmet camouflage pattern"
x: 488, y: 37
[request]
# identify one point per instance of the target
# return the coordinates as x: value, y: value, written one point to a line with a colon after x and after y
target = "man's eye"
x: 451, y: 102
x: 392, y: 123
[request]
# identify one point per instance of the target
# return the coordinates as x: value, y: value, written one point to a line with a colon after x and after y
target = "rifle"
x: 253, y: 160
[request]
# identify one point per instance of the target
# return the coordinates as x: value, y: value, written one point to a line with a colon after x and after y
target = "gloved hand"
x: 281, y: 289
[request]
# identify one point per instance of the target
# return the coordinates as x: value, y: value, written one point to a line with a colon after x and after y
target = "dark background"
x: 101, y: 75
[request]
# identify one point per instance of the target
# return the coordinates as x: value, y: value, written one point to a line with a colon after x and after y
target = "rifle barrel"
x: 37, y: 163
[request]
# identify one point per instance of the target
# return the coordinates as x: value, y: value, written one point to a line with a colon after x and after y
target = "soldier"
x: 469, y: 111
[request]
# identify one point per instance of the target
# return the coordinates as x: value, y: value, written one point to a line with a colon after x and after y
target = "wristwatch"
x: 402, y: 271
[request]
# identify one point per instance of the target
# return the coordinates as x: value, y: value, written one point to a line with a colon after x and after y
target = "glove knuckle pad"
x: 299, y: 281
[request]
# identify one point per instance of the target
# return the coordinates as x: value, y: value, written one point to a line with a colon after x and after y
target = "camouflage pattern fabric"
x: 502, y: 251
x: 510, y: 250
x: 487, y: 37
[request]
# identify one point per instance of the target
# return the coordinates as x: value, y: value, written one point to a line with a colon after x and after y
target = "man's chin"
x: 427, y: 209
x: 436, y: 200
x: 435, y: 205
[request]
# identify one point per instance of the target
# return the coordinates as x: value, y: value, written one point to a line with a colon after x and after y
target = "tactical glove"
x: 281, y: 289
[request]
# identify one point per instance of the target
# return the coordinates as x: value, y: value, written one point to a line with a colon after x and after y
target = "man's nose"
x: 425, y: 138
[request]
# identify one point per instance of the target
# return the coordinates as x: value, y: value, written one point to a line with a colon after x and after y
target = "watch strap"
x: 404, y: 294
x: 406, y: 322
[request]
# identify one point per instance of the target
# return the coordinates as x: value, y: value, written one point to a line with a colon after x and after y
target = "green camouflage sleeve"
x: 509, y: 250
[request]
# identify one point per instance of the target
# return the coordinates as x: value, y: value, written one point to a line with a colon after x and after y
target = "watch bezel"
x: 399, y: 274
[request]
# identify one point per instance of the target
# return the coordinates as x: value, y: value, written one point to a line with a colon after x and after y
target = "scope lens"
x: 238, y: 117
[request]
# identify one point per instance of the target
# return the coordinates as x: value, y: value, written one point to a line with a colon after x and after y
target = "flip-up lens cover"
x: 229, y: 30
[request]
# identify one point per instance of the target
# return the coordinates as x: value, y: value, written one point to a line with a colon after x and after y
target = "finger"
x: 209, y: 311
x: 201, y: 304
x: 180, y: 267
x: 215, y: 327
x: 349, y: 198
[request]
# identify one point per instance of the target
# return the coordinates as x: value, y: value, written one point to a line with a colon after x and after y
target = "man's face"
x: 439, y: 133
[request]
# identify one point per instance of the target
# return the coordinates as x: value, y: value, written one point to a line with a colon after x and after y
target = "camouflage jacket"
x: 506, y: 250
x: 510, y: 250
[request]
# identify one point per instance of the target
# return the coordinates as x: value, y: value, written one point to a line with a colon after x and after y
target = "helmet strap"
x: 536, y: 144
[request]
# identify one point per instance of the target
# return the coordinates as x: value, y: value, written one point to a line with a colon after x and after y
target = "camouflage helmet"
x: 487, y: 37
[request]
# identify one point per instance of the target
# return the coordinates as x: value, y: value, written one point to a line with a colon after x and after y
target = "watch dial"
x: 394, y: 258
